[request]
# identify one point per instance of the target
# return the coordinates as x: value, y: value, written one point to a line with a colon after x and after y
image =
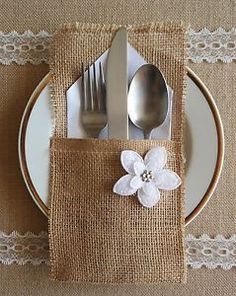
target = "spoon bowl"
x: 148, y: 99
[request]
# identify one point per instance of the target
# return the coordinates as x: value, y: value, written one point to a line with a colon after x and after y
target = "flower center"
x: 146, y: 176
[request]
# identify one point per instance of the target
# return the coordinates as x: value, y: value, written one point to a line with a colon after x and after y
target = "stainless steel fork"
x: 93, y: 104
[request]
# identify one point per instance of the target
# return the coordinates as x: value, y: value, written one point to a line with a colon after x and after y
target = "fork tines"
x: 93, y: 88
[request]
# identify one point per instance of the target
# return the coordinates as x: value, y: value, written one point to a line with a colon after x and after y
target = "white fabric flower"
x: 146, y: 176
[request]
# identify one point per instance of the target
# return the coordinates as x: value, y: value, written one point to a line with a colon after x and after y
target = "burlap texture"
x: 19, y: 212
x: 201, y: 282
x: 38, y: 15
x: 94, y: 235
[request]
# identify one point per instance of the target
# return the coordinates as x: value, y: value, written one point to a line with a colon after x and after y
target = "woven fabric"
x: 201, y: 282
x: 23, y: 15
x: 95, y: 235
x: 19, y: 212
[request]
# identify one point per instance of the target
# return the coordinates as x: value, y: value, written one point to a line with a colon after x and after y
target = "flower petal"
x: 167, y: 180
x: 151, y: 166
x: 146, y: 200
x: 122, y: 186
x: 128, y: 158
x: 158, y: 156
x: 149, y: 188
x: 139, y: 168
x: 136, y: 182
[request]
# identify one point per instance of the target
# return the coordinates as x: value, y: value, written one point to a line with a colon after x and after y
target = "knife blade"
x: 117, y: 87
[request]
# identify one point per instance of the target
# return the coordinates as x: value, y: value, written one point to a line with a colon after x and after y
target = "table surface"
x: 18, y: 211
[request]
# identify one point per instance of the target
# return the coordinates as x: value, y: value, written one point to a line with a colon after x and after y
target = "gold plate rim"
x: 220, y: 149
x: 220, y: 153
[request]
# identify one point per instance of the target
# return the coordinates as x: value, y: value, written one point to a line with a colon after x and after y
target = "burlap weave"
x: 18, y: 211
x: 95, y: 236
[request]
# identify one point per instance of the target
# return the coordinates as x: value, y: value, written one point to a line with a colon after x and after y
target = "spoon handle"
x: 147, y: 134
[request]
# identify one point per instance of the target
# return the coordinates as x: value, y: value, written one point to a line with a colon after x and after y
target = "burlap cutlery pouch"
x: 96, y: 235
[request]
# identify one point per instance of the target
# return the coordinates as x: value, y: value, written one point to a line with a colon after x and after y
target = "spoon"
x: 147, y: 99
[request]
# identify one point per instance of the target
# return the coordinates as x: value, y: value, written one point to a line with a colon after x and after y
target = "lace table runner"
x: 204, y: 45
x: 201, y: 252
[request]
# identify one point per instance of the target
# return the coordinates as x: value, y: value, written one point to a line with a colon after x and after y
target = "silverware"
x: 93, y: 105
x: 148, y: 99
x: 117, y: 87
x: 163, y: 132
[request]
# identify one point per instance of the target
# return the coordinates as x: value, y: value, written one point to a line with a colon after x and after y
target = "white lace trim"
x: 201, y: 252
x: 219, y: 45
x: 204, y: 45
x: 211, y: 252
x: 24, y: 248
x: 23, y: 48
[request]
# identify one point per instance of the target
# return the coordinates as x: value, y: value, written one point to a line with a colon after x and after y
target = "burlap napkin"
x: 96, y: 236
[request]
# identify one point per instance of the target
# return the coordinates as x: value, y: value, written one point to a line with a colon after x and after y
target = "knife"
x: 117, y: 87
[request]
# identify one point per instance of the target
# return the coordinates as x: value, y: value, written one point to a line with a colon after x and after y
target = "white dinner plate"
x: 204, y: 145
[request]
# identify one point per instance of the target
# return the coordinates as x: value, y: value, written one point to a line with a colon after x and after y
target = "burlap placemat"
x: 18, y: 211
x: 201, y: 282
x: 94, y: 235
x: 23, y: 16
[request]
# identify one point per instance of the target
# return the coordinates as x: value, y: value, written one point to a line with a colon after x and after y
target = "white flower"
x: 146, y: 176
